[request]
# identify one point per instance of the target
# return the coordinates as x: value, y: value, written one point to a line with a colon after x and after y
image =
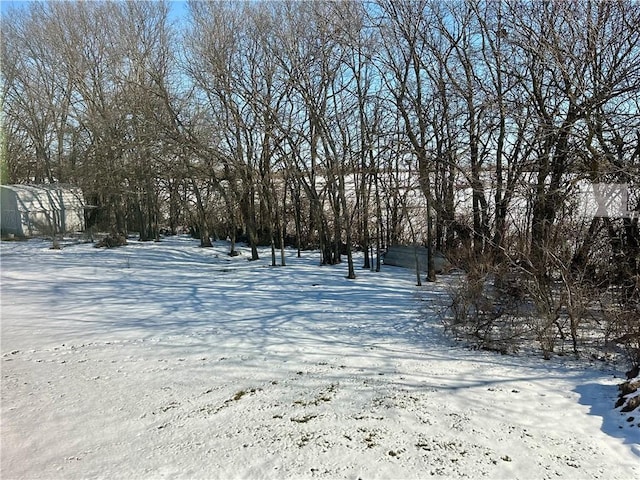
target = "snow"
x: 166, y: 360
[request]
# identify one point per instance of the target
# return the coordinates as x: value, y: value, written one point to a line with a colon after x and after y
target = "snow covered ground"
x: 165, y: 360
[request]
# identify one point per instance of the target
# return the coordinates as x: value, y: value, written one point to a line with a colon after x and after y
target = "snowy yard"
x: 165, y: 360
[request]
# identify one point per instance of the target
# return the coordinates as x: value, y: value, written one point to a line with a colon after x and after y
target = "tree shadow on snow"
x: 601, y: 399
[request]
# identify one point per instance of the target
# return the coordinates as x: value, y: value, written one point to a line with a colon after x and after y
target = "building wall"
x: 29, y: 210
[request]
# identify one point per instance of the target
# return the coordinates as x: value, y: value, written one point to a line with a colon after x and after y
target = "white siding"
x: 29, y: 210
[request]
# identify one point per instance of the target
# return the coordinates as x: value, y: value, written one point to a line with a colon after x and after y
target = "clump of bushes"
x: 509, y: 308
x: 112, y: 241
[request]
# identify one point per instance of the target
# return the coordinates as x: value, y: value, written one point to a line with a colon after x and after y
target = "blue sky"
x: 178, y: 7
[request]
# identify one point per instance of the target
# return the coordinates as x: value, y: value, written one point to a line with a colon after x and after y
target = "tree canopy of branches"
x: 467, y: 126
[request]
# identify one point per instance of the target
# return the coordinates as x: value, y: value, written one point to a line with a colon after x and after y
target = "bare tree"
x: 37, y: 94
x: 405, y: 55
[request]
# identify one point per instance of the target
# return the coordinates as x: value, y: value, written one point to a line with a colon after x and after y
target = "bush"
x: 111, y: 241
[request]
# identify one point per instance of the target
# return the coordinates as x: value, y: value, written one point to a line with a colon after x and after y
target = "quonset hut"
x: 32, y: 210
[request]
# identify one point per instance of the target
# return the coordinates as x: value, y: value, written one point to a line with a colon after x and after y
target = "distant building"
x: 32, y: 210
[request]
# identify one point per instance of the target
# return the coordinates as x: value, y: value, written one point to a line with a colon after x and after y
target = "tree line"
x: 466, y: 126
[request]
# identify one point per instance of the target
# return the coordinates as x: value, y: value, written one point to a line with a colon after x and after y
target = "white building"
x: 32, y: 210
